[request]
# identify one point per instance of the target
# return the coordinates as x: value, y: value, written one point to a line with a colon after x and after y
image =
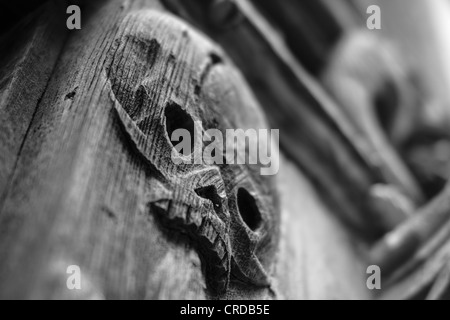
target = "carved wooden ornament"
x: 165, y: 76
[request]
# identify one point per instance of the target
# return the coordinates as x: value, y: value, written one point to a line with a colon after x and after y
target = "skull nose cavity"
x: 248, y: 209
x: 210, y: 193
x: 177, y: 118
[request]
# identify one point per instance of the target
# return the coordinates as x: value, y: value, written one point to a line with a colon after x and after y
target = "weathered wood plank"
x: 28, y: 55
x: 95, y: 186
x: 59, y: 210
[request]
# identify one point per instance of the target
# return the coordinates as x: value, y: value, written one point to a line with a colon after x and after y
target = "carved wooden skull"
x: 184, y: 81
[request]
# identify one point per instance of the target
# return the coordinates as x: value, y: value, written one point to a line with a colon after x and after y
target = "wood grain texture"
x: 95, y: 185
x: 193, y: 85
x: 28, y: 55
x: 76, y: 197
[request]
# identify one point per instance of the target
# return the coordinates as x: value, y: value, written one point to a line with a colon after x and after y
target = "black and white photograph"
x: 224, y: 150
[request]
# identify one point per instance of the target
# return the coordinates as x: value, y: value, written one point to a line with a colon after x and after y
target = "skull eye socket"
x: 177, y: 118
x: 248, y: 209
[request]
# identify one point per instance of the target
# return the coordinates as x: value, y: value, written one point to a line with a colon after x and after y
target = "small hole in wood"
x: 71, y: 95
x: 248, y: 209
x: 177, y: 118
